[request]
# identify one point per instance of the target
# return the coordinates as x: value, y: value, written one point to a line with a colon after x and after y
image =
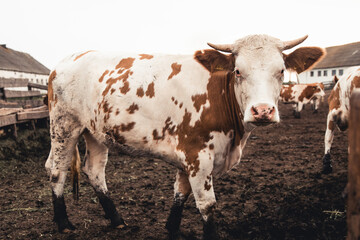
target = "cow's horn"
x: 222, y: 47
x: 293, y: 43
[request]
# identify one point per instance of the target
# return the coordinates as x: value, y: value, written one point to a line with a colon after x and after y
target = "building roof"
x: 19, y: 61
x: 341, y: 56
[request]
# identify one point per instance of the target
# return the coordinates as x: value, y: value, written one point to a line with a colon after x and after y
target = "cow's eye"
x: 282, y: 71
x: 237, y: 72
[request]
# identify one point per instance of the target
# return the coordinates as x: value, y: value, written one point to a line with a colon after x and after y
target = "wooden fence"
x: 353, y: 187
x: 20, y: 103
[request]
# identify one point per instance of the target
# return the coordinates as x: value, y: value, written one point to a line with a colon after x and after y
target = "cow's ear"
x: 304, y: 58
x: 215, y: 61
x: 335, y: 79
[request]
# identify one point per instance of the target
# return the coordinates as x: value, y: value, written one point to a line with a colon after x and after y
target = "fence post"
x: 353, y: 187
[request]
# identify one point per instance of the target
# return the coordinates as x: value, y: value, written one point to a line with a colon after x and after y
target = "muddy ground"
x: 276, y: 192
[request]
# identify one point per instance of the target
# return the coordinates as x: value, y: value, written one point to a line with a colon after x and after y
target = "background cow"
x: 301, y: 94
x: 195, y: 112
x: 339, y: 106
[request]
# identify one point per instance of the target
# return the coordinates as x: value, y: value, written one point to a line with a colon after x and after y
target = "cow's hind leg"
x: 64, y: 136
x: 95, y: 162
x: 182, y: 191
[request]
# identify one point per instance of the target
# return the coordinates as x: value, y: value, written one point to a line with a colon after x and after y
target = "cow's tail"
x: 75, y: 173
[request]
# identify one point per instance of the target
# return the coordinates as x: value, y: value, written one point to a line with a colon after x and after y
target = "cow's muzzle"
x: 263, y: 114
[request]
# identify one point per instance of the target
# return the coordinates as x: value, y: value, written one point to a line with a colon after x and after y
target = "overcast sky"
x: 49, y: 30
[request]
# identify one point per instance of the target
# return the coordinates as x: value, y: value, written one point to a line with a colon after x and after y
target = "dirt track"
x: 276, y: 192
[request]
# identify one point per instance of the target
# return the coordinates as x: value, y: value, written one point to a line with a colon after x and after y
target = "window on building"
x: 37, y: 80
x: 319, y: 73
x: 325, y: 73
x: 333, y: 72
x: 311, y: 73
x: 341, y: 72
x: 42, y: 81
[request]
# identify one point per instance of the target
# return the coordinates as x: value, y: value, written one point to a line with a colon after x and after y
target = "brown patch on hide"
x: 126, y: 127
x: 304, y: 58
x: 79, y: 56
x: 169, y: 128
x: 145, y: 56
x: 199, y: 99
x: 125, y: 63
x: 145, y: 140
x: 133, y: 107
x: 286, y: 93
x: 150, y: 91
x: 140, y: 92
x: 115, y: 134
x: 124, y: 70
x: 51, y: 90
x: 103, y: 75
x: 211, y: 146
x: 176, y: 68
x: 309, y: 92
x: 222, y: 115
x: 117, y: 112
x: 124, y: 89
x: 334, y: 98
x: 331, y: 125
x: 207, y: 186
x: 214, y: 61
x: 92, y: 124
x: 107, y: 110
x: 355, y: 83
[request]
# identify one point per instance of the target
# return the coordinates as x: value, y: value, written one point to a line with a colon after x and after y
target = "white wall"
x: 34, y: 78
x: 326, y: 74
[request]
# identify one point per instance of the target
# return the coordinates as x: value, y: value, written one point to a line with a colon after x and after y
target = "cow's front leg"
x: 329, y: 137
x: 201, y: 183
x: 182, y: 191
x: 298, y: 109
x: 316, y: 105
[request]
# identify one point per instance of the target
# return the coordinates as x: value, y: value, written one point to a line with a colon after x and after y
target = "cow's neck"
x: 224, y: 106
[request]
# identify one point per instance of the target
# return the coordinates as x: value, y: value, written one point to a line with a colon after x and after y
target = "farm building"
x: 336, y: 62
x: 15, y: 64
x: 23, y: 83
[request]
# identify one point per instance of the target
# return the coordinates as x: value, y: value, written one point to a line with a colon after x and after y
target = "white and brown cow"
x: 195, y: 112
x: 301, y: 94
x: 339, y: 106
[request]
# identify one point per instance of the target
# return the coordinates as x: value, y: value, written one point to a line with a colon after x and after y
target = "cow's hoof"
x: 315, y: 111
x: 121, y: 226
x: 66, y: 227
x: 297, y: 115
x: 118, y: 223
x: 327, y: 167
x: 66, y: 230
x: 175, y: 235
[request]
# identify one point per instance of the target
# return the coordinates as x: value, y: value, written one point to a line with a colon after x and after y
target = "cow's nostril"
x: 254, y: 111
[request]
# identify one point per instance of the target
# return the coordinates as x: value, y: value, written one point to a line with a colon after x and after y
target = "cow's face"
x: 259, y: 70
x: 258, y: 78
x: 319, y: 90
